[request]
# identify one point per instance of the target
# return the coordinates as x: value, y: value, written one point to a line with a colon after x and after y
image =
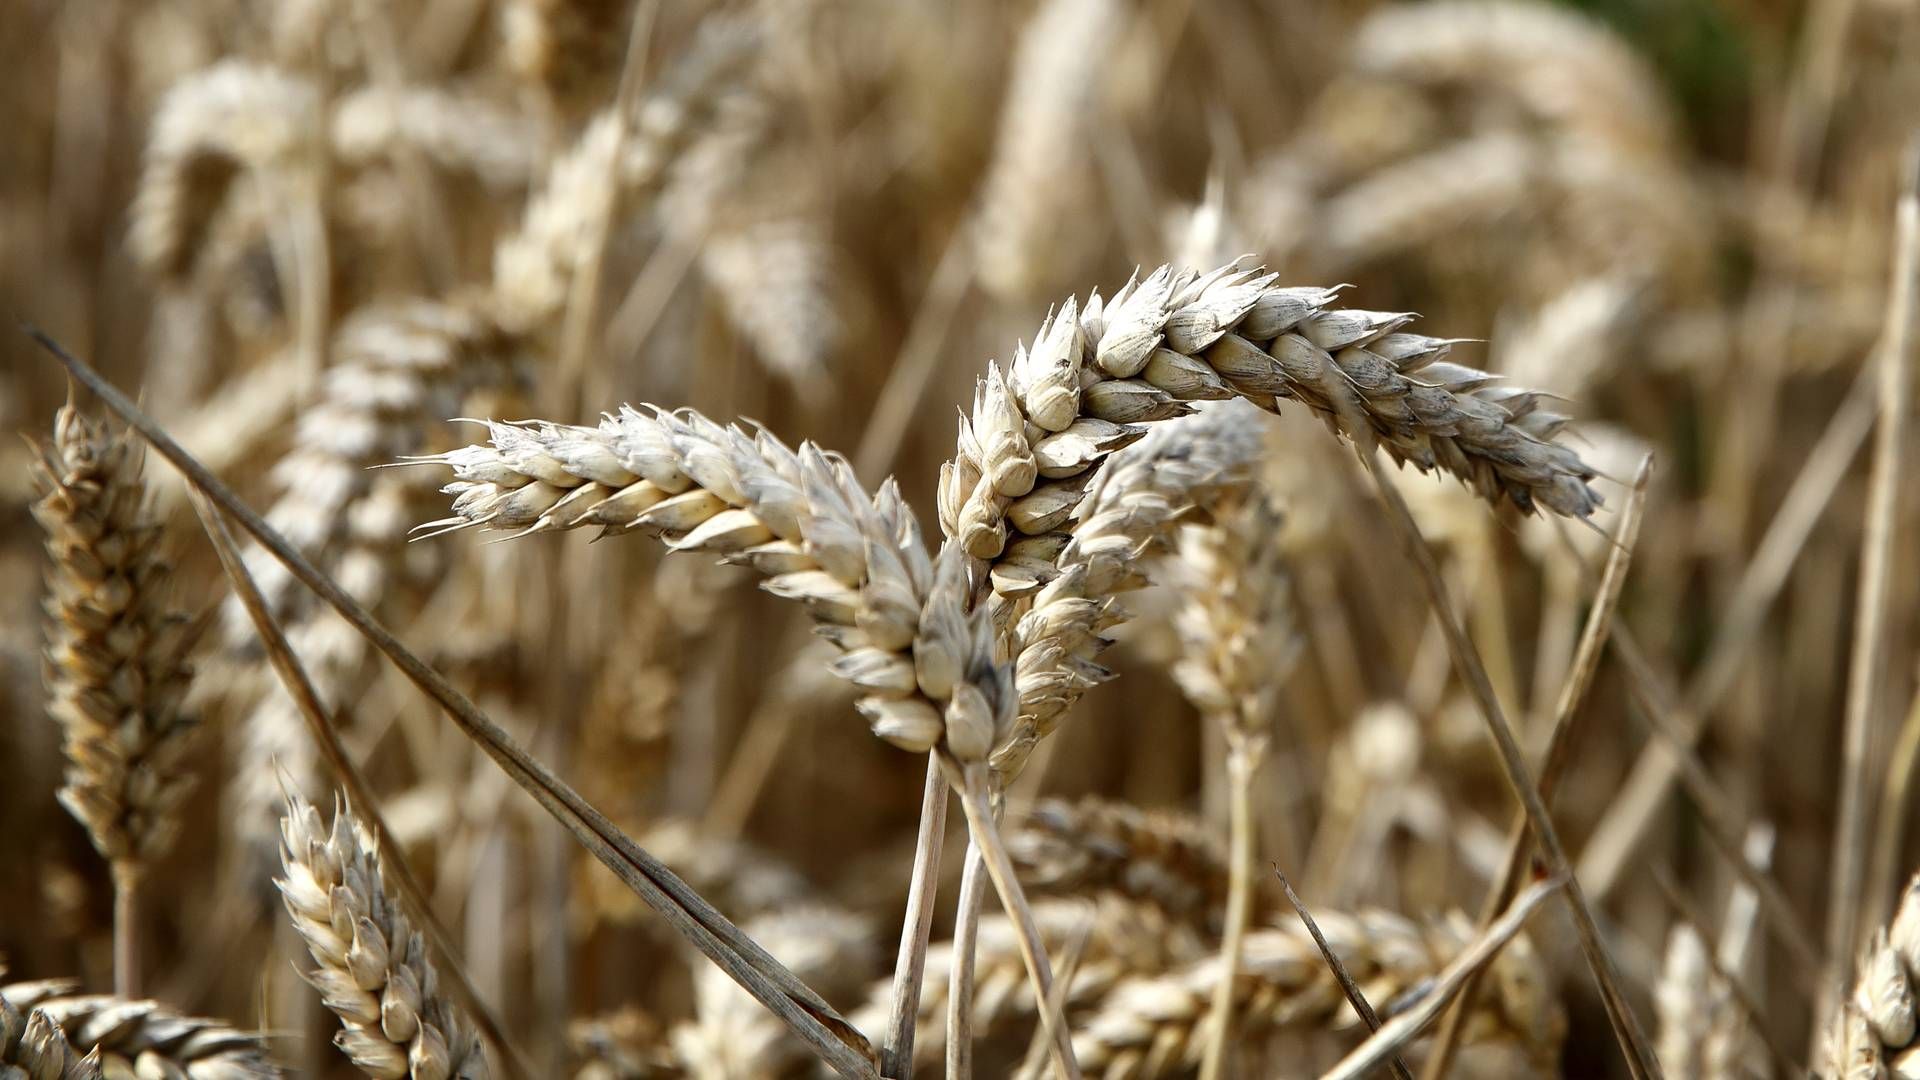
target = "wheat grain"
x: 1884, y: 1001
x: 32, y: 1048
x: 145, y: 1038
x: 373, y: 970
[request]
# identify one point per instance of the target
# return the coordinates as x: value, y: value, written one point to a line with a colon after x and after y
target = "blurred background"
x: 310, y: 233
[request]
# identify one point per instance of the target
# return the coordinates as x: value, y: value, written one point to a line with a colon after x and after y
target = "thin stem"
x: 1867, y: 673
x: 896, y: 1053
x: 960, y: 977
x: 972, y: 784
x: 126, y: 929
x: 1341, y: 975
x: 1626, y: 1027
x: 1245, y: 753
x: 1559, y: 752
x: 1889, y: 834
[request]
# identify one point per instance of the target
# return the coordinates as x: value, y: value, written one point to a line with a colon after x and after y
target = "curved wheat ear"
x: 1108, y: 942
x: 732, y: 1035
x: 858, y: 564
x: 144, y: 1038
x: 1157, y: 1027
x: 1566, y: 68
x: 32, y: 1048
x: 459, y: 131
x: 1040, y: 165
x: 116, y: 668
x: 1039, y: 428
x: 1166, y: 859
x: 231, y: 117
x: 1875, y: 1032
x: 373, y: 970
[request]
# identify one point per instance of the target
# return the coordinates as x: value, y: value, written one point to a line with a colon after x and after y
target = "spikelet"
x: 1700, y: 1022
x: 116, y: 669
x: 373, y: 970
x: 144, y: 1038
x: 1876, y: 1033
x: 32, y: 1048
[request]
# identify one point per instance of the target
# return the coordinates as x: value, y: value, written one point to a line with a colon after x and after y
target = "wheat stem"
x: 1244, y: 756
x: 896, y: 1054
x: 1626, y: 1027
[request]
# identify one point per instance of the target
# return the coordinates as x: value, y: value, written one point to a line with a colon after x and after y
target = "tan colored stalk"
x: 32, y: 1048
x: 1632, y: 1039
x: 130, y: 1037
x: 1867, y: 668
x: 116, y: 662
x: 373, y: 970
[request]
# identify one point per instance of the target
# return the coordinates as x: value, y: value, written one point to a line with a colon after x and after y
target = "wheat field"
x: 624, y: 539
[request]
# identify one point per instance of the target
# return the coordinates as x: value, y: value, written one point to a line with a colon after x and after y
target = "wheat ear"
x: 144, y: 1038
x: 373, y: 969
x: 32, y: 1048
x: 1092, y: 846
x: 116, y: 667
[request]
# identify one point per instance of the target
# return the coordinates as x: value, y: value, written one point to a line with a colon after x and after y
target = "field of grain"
x: 1121, y: 539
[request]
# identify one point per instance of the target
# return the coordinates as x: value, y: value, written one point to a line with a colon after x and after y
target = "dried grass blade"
x: 1867, y: 672
x: 298, y: 686
x: 1626, y: 1027
x: 1559, y: 752
x: 1340, y: 973
x: 812, y: 1019
x: 1402, y: 1029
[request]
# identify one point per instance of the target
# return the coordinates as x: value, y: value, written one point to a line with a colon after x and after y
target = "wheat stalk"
x: 32, y: 1048
x: 373, y: 970
x: 1239, y: 645
x: 144, y: 1038
x: 116, y: 668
